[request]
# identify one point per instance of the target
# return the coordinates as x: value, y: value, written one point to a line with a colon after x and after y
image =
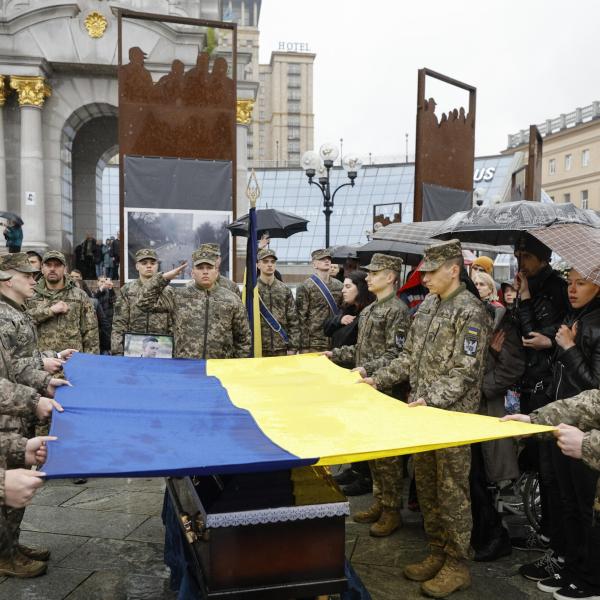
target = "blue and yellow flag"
x: 154, y: 417
x: 250, y: 295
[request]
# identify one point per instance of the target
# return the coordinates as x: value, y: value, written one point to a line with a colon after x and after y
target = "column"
x: 4, y: 91
x: 32, y: 92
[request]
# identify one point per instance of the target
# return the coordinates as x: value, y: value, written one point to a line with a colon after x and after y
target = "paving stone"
x: 77, y: 521
x: 115, y: 500
x: 56, y: 495
x: 140, y: 484
x: 350, y: 545
x: 56, y: 584
x: 117, y: 585
x: 58, y: 544
x: 132, y: 557
x: 151, y: 530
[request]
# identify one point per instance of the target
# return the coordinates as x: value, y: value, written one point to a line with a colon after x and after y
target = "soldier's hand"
x: 52, y: 365
x: 169, y: 275
x: 67, y: 353
x: 569, y: 440
x: 518, y: 417
x: 369, y: 381
x: 60, y: 308
x: 20, y: 486
x: 53, y: 384
x: 327, y: 353
x: 45, y: 407
x: 36, y: 450
x: 361, y: 370
x: 417, y: 402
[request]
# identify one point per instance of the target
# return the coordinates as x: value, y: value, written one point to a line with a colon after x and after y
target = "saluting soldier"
x: 317, y: 298
x: 209, y: 321
x: 443, y: 358
x: 64, y: 315
x: 223, y: 281
x: 280, y: 331
x: 128, y: 317
x: 382, y: 329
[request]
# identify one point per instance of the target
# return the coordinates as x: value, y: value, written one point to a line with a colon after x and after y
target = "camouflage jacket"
x: 129, y: 317
x: 313, y: 310
x: 444, y: 353
x: 19, y: 335
x: 581, y: 411
x: 382, y: 330
x: 12, y: 451
x: 278, y: 298
x: 206, y: 323
x: 76, y: 329
x: 230, y: 285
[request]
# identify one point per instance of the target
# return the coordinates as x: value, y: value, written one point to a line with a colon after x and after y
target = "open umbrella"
x: 339, y: 254
x: 578, y: 245
x: 411, y: 254
x: 11, y: 216
x: 276, y: 223
x: 504, y: 223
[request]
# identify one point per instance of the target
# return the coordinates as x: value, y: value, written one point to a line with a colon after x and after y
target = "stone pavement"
x: 106, y: 540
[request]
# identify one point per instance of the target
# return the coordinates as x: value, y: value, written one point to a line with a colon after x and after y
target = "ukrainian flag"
x: 250, y: 296
x: 156, y: 417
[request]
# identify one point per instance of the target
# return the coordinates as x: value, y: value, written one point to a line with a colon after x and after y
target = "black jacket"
x: 342, y: 335
x: 543, y: 313
x: 578, y: 368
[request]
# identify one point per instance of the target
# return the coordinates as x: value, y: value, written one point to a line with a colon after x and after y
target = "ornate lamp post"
x: 320, y: 165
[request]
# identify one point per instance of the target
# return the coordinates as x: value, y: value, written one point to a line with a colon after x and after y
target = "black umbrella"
x: 505, y: 223
x: 411, y: 254
x: 276, y: 223
x: 339, y: 254
x: 11, y: 216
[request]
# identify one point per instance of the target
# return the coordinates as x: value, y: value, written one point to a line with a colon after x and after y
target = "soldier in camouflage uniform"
x: 128, y: 317
x: 215, y: 249
x: 278, y: 299
x: 382, y: 329
x: 443, y: 358
x: 209, y: 321
x: 313, y: 308
x: 64, y: 315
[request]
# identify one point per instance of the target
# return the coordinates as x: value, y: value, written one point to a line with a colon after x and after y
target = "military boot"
x: 370, y: 515
x: 427, y: 568
x: 34, y: 553
x: 388, y: 522
x: 21, y: 566
x: 453, y: 576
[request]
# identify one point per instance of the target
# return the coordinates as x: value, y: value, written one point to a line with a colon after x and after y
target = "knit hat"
x: 528, y: 243
x: 485, y: 262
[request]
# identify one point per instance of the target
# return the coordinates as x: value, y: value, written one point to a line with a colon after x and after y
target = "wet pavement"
x: 106, y: 538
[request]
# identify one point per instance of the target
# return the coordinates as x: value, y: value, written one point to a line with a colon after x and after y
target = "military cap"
x: 17, y: 261
x: 380, y: 261
x: 4, y: 276
x: 214, y: 248
x: 56, y: 255
x: 320, y: 254
x: 437, y: 254
x: 145, y: 253
x: 202, y: 255
x: 266, y: 252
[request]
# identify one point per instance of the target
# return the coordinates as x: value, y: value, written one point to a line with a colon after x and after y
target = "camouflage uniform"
x: 382, y: 329
x: 223, y: 281
x: 12, y: 449
x: 313, y: 310
x: 129, y: 318
x: 443, y: 359
x: 76, y: 329
x: 278, y: 298
x: 206, y: 323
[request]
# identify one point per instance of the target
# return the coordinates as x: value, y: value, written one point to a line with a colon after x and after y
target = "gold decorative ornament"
x: 4, y: 90
x: 32, y: 91
x: 244, y: 111
x: 252, y: 189
x: 96, y: 24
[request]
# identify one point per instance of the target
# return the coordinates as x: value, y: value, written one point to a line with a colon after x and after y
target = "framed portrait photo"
x: 147, y: 345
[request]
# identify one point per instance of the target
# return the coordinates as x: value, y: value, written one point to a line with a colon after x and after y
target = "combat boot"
x: 370, y: 515
x: 453, y: 576
x: 426, y: 569
x: 21, y: 566
x: 34, y: 553
x: 388, y: 522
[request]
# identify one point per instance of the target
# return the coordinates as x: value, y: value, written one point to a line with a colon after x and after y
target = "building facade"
x: 571, y: 156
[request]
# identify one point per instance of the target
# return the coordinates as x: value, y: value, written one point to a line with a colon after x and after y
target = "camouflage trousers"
x: 387, y: 481
x: 442, y: 478
x: 10, y: 528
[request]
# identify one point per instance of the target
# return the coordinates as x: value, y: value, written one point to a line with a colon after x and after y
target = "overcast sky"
x: 529, y: 59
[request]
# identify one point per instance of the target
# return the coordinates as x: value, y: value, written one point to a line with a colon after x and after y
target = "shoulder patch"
x: 471, y: 340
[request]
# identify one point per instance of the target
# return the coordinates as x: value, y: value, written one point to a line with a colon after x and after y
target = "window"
x: 293, y: 69
x: 566, y: 197
x: 568, y: 161
x: 294, y: 81
x: 293, y: 146
x: 584, y: 198
x: 293, y: 121
x: 552, y: 166
x: 293, y: 133
x: 294, y: 94
x: 585, y: 158
x: 294, y: 106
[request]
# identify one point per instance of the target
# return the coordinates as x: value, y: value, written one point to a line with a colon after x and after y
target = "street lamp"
x: 320, y: 165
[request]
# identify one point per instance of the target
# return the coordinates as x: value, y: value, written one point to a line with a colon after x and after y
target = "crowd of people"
x: 526, y: 349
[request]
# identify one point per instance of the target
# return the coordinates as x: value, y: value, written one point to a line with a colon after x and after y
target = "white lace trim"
x: 278, y: 515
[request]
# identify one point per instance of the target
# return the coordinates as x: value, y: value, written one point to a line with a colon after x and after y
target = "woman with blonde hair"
x: 486, y: 287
